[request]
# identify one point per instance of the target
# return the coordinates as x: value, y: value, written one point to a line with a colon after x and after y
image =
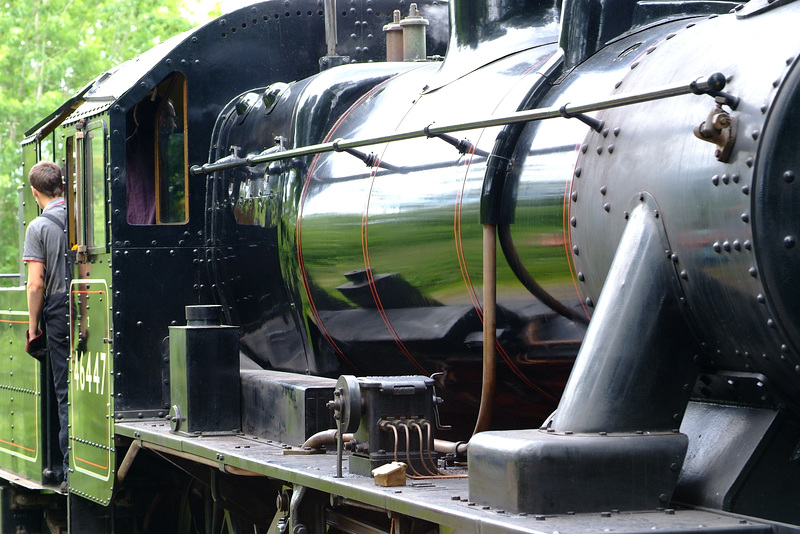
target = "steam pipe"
x: 459, y: 448
x: 522, y: 274
x: 325, y: 437
x: 489, y: 328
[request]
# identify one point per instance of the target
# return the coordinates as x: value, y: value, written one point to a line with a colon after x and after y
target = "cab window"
x: 157, y: 170
x: 94, y: 144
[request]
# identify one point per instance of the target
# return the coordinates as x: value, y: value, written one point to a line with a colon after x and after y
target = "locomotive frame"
x: 208, y: 329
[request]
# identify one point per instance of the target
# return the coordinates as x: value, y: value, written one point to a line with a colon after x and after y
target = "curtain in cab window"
x: 157, y: 156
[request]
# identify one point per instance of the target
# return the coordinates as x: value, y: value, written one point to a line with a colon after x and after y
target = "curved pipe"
x: 325, y: 437
x: 519, y: 270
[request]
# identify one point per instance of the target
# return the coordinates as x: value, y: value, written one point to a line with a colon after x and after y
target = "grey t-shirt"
x: 45, y: 242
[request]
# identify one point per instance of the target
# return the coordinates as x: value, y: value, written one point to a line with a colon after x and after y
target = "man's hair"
x: 45, y: 177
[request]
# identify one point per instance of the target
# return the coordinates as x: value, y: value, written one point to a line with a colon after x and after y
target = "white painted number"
x: 88, y: 377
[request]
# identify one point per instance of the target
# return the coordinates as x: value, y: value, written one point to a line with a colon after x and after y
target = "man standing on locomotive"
x: 45, y: 252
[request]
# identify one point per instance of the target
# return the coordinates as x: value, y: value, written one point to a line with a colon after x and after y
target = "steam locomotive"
x: 289, y: 310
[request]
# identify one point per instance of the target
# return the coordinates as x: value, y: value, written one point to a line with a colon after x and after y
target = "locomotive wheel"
x: 199, y: 514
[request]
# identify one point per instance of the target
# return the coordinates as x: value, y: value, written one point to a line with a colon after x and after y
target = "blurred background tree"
x: 49, y: 49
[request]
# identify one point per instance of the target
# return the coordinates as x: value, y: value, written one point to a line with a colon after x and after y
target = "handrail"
x: 712, y: 85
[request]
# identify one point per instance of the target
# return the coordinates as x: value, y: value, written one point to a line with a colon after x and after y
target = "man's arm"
x: 35, y: 292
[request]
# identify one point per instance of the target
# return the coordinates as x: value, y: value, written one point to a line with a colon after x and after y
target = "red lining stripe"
x: 299, y: 238
x: 371, y: 279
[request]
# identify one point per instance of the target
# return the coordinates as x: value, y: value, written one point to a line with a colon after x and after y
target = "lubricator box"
x: 205, y: 387
x: 397, y: 415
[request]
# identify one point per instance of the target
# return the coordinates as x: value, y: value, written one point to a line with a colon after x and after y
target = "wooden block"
x: 392, y: 474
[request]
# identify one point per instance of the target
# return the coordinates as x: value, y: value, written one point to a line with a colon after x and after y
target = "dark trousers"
x: 54, y: 314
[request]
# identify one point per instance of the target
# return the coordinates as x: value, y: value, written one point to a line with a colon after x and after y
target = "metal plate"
x: 22, y: 435
x: 92, y: 455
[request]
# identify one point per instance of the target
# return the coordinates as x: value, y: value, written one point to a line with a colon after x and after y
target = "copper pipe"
x: 125, y: 466
x: 325, y: 437
x: 489, y: 327
x: 459, y: 448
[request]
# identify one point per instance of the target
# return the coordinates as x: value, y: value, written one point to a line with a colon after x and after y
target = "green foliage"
x: 49, y: 50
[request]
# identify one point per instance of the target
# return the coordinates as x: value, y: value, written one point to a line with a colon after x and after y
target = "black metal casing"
x: 204, y: 374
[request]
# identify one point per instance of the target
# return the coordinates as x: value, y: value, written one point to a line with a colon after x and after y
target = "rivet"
x: 589, y: 302
x: 776, y: 83
x: 674, y: 258
x: 789, y: 61
x: 749, y: 162
x: 605, y: 132
x: 754, y: 134
x: 616, y: 86
x: 610, y: 149
x: 726, y: 246
x: 753, y: 272
x: 575, y: 249
x: 788, y: 241
x: 715, y: 179
x: 764, y: 109
x: 788, y: 177
x: 599, y: 150
x: 634, y: 65
x: 626, y: 215
x: 770, y: 323
x: 735, y: 177
x: 785, y: 348
x: 684, y: 275
x: 737, y: 245
x: 603, y: 190
x: 725, y: 179
x: 574, y: 196
x: 716, y: 246
x: 616, y: 131
x: 761, y: 299
x: 746, y: 189
x: 745, y: 217
x: 584, y: 148
x: 573, y: 222
x: 747, y: 244
x: 578, y: 172
x: 581, y: 277
x: 607, y: 207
